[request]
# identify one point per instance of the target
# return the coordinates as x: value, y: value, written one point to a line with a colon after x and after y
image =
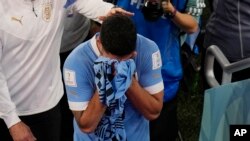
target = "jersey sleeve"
x: 78, y: 82
x: 8, y: 108
x: 149, y: 65
x: 90, y: 8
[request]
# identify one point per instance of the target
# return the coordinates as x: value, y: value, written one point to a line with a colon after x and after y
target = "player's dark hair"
x: 118, y: 35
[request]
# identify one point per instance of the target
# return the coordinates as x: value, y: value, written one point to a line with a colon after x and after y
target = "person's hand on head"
x: 116, y: 10
x: 21, y: 132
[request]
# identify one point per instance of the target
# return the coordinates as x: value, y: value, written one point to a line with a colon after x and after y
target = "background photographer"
x: 165, y: 22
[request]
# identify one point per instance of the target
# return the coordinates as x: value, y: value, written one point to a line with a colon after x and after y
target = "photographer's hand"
x: 167, y: 7
x: 183, y: 20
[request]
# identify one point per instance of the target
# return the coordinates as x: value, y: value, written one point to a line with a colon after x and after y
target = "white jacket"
x: 30, y: 76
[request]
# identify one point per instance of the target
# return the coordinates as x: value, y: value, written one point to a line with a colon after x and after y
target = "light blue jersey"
x: 80, y: 85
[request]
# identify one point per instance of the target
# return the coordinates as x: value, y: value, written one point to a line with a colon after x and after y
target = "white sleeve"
x: 7, y: 107
x: 92, y: 8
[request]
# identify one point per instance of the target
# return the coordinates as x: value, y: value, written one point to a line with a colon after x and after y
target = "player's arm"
x: 84, y: 102
x: 88, y: 119
x: 82, y: 98
x: 146, y: 94
x: 149, y: 105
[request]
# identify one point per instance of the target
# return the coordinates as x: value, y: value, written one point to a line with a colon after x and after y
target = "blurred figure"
x: 229, y: 28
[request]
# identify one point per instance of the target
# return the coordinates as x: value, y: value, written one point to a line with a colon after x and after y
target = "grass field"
x: 190, y: 97
x: 190, y: 105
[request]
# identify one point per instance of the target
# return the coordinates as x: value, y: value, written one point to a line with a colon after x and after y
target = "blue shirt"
x: 167, y: 36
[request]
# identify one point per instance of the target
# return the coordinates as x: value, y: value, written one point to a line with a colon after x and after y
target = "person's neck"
x: 98, y: 45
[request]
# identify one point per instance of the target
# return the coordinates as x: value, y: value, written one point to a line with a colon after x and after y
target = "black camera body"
x: 152, y: 11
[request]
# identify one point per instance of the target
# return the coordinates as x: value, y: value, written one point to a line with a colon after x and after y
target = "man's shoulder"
x: 141, y: 37
x: 80, y: 54
x: 144, y: 43
x: 82, y: 47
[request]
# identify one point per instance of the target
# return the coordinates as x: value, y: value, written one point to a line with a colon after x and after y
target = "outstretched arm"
x: 97, y: 9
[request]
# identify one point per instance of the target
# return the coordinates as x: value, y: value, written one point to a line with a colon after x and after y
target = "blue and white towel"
x: 112, y: 80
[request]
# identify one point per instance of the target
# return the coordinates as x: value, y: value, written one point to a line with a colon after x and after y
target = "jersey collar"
x: 94, y: 45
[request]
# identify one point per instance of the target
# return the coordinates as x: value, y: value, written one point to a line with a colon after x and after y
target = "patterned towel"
x: 112, y: 90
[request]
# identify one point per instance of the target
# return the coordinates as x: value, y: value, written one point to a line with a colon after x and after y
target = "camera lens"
x: 152, y: 10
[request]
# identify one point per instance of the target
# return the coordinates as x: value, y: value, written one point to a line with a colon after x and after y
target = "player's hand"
x: 115, y: 11
x: 21, y: 132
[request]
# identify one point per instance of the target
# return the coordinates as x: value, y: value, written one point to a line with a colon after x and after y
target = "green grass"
x: 190, y: 105
x: 190, y: 96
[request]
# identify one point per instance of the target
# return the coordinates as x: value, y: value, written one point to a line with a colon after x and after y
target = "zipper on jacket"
x: 240, y: 31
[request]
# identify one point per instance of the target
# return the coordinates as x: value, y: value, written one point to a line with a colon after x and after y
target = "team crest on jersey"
x: 70, y: 78
x: 156, y: 60
x: 47, y: 11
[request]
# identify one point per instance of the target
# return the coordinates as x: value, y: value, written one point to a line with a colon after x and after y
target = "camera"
x: 152, y: 10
